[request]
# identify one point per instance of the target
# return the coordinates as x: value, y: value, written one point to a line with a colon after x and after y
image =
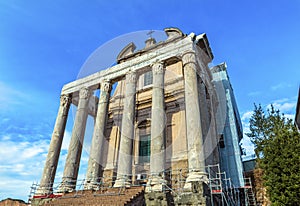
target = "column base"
x: 122, y: 182
x: 67, y: 186
x: 44, y: 190
x: 91, y: 185
x: 195, y: 190
x: 155, y: 184
x: 194, y: 177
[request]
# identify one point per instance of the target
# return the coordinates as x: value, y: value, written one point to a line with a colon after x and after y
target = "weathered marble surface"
x: 55, y: 146
x: 165, y: 51
x: 95, y: 164
x: 127, y: 132
x: 75, y: 148
x: 158, y: 124
x: 196, y: 160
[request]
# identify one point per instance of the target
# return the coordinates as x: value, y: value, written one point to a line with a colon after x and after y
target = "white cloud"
x: 5, y: 137
x: 246, y: 115
x: 281, y: 85
x: 255, y: 93
x: 21, y: 162
x: 246, y: 143
x: 11, y: 97
x: 66, y: 140
x: 14, y: 188
x: 285, y: 105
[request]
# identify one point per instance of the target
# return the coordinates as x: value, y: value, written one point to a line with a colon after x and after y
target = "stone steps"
x: 110, y: 196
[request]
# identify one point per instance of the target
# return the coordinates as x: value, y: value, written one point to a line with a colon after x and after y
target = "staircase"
x: 105, y: 197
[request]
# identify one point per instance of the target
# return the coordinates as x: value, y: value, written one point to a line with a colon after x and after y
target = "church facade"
x: 169, y: 118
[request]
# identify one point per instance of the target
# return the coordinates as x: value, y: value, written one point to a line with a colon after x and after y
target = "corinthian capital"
x: 105, y: 86
x: 158, y: 68
x: 65, y: 100
x: 84, y: 93
x: 188, y: 57
x: 131, y: 77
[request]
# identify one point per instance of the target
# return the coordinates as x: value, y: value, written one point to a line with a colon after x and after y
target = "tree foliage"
x: 277, y: 147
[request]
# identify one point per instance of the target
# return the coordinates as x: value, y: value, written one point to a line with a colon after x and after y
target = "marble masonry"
x: 162, y: 117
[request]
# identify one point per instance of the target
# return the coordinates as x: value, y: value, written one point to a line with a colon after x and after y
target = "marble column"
x: 49, y: 172
x: 158, y: 124
x: 94, y: 164
x: 127, y: 133
x: 75, y: 148
x: 196, y: 161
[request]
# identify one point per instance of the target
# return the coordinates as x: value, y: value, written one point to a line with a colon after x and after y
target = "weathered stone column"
x: 127, y: 133
x: 49, y: 172
x: 157, y: 158
x: 196, y: 159
x: 94, y: 164
x: 75, y: 148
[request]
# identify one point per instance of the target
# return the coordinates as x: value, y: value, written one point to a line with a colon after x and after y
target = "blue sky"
x: 43, y: 45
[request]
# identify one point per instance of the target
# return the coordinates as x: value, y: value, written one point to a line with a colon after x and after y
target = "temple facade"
x: 169, y: 118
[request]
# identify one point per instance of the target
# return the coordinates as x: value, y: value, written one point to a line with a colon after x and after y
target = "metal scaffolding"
x: 221, y: 190
x: 249, y: 194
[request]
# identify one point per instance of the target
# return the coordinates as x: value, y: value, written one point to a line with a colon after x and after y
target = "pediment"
x: 126, y: 51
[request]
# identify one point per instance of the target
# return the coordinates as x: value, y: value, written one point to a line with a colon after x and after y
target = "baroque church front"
x: 167, y: 123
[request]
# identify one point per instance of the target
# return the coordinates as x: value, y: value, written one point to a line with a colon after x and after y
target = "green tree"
x: 277, y: 147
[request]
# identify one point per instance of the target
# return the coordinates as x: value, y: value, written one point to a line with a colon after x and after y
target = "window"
x: 148, y: 78
x: 144, y: 149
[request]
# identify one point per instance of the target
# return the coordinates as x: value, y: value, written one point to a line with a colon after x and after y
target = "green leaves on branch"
x: 277, y: 146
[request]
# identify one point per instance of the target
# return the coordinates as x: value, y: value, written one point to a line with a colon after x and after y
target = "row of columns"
x: 124, y: 170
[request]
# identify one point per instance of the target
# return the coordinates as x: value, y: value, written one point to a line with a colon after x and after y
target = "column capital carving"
x: 105, y: 86
x: 158, y: 68
x: 188, y: 57
x: 65, y: 100
x: 131, y: 77
x: 84, y: 93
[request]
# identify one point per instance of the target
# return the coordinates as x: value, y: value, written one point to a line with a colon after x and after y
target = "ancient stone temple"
x: 161, y: 129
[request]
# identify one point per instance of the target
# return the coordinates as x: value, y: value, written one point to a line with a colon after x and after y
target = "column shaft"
x: 49, y: 172
x: 127, y: 132
x: 196, y: 160
x: 158, y: 124
x: 75, y: 148
x: 95, y: 164
x: 157, y: 158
